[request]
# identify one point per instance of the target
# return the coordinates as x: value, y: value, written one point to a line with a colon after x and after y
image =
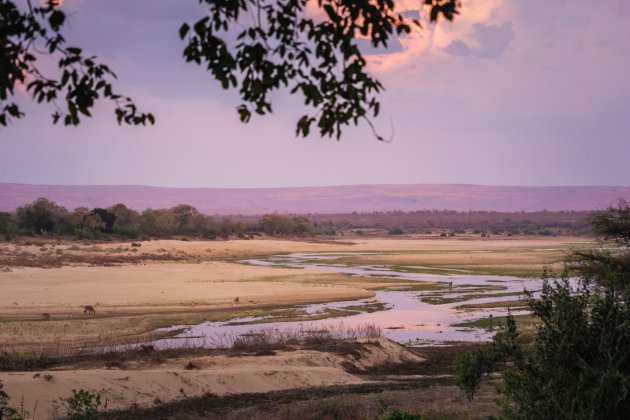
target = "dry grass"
x: 269, y: 340
x: 430, y: 399
x: 48, y: 258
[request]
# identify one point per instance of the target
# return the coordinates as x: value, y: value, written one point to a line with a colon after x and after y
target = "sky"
x: 514, y: 92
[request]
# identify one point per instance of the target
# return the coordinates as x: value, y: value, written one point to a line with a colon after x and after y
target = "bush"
x: 395, y: 231
x: 8, y: 228
x: 84, y: 234
x: 400, y: 415
x: 326, y: 231
x: 7, y: 412
x: 579, y: 365
x: 131, y: 232
x: 83, y: 405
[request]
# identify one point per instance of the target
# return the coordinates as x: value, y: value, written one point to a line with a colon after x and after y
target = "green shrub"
x: 84, y: 234
x: 395, y: 231
x: 6, y: 412
x: 400, y: 415
x: 131, y: 232
x: 8, y: 228
x: 83, y: 405
x: 577, y: 368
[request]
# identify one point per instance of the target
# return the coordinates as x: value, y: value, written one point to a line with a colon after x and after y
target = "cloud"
x: 493, y: 39
x: 458, y: 48
x: 366, y: 47
x: 492, y: 42
x: 411, y: 14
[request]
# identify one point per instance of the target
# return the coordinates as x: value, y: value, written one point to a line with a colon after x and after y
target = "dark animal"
x: 87, y: 309
x: 236, y: 300
x: 450, y: 287
x: 46, y: 317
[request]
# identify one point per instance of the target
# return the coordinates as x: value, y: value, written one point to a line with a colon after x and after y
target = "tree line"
x: 452, y: 222
x: 47, y: 218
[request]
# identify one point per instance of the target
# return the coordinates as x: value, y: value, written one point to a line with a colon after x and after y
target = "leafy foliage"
x: 6, y: 412
x: 83, y: 405
x: 42, y: 216
x: 613, y: 223
x: 315, y: 55
x: 400, y: 415
x: 8, y: 228
x: 277, y: 225
x: 279, y: 45
x: 579, y: 364
x: 27, y: 34
x: 612, y: 261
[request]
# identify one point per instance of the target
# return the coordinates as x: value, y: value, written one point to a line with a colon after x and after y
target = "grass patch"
x: 514, y: 304
x: 369, y: 307
x: 524, y: 323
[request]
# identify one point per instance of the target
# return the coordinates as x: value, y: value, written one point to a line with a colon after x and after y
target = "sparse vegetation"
x: 6, y: 412
x: 578, y: 363
x: 83, y: 404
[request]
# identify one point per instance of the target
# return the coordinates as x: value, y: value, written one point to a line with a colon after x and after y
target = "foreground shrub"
x: 83, y: 405
x: 6, y: 412
x: 579, y: 364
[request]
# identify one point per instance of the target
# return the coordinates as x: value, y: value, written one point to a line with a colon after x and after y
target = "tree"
x: 188, y: 220
x: 302, y: 226
x: 578, y: 366
x: 107, y: 218
x: 8, y: 228
x: 42, y: 216
x: 124, y: 215
x: 275, y: 224
x: 157, y: 222
x: 611, y: 262
x: 279, y: 45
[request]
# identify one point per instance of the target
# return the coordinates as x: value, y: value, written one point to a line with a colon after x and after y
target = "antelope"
x: 46, y: 317
x: 88, y: 309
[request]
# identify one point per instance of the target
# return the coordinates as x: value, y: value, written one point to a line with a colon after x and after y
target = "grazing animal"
x: 46, y: 317
x: 236, y: 300
x: 87, y: 309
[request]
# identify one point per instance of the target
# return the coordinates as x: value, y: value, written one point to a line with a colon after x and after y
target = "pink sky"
x: 514, y: 92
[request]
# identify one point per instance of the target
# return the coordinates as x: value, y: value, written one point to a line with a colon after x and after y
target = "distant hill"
x: 335, y: 199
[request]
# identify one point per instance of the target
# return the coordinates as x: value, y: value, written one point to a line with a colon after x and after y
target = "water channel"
x: 413, y: 317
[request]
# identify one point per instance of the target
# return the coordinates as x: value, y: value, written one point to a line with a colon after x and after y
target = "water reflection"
x: 406, y: 318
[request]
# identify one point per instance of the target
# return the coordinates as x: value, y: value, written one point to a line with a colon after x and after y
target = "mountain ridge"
x: 323, y: 199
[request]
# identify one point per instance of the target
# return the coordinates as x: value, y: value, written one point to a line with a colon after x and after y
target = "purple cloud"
x: 492, y: 40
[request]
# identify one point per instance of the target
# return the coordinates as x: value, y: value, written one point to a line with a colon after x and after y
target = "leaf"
x: 56, y: 19
x: 183, y: 30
